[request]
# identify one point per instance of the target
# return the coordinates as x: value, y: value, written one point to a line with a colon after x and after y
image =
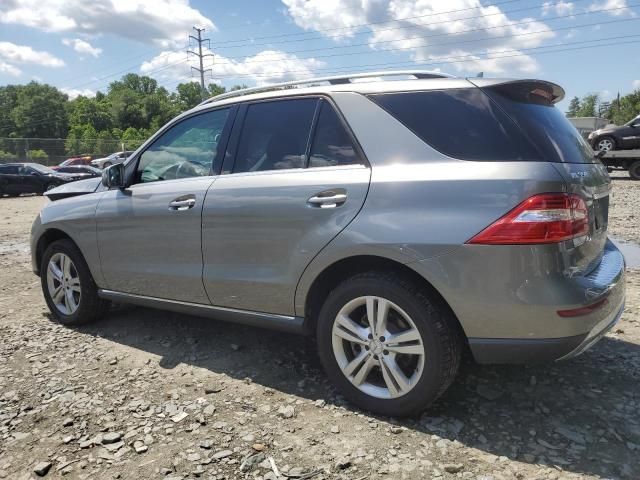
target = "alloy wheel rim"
x: 63, y: 283
x: 378, y: 347
x: 605, y: 145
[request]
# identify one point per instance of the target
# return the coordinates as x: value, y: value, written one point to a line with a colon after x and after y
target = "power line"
x: 251, y: 42
x: 440, y: 61
x: 364, y: 44
x: 443, y: 34
x: 445, y: 60
x: 352, y: 27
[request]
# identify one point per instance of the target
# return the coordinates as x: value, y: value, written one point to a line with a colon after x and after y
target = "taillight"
x: 544, y: 218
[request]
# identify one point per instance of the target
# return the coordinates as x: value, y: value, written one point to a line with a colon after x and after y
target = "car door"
x: 295, y: 179
x: 149, y: 234
x: 633, y: 134
x: 30, y: 180
x: 8, y: 178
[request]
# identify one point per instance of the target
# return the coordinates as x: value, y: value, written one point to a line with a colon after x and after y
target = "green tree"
x: 214, y: 89
x: 588, y: 106
x: 188, y: 95
x: 38, y: 155
x: 625, y: 109
x: 8, y: 101
x: 89, y: 139
x: 83, y: 110
x: 574, y: 107
x: 40, y: 112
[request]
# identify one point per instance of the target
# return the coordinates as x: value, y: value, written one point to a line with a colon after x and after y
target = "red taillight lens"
x: 544, y: 218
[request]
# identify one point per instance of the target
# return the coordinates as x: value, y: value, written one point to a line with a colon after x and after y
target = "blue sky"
x: 82, y: 45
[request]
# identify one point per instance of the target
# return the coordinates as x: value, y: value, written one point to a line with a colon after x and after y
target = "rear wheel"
x: 606, y: 144
x: 106, y: 164
x: 386, y: 344
x: 68, y: 287
x: 634, y: 170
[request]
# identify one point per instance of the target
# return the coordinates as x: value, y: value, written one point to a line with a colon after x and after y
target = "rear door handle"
x: 183, y: 203
x: 328, y: 199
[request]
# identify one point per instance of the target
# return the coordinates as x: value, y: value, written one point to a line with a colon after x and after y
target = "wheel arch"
x: 47, y: 238
x: 346, y: 267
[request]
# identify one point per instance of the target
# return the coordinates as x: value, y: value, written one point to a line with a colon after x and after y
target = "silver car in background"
x: 400, y: 221
x: 114, y: 158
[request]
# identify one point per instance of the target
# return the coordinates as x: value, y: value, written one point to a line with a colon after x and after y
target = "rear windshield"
x: 528, y: 103
x: 488, y: 125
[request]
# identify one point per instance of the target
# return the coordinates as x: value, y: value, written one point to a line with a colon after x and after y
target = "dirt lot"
x: 147, y: 395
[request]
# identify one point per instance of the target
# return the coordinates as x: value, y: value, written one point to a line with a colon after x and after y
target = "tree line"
x: 135, y: 106
x: 619, y: 111
x: 131, y: 110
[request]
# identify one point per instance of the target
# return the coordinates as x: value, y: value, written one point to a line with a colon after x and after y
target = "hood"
x: 81, y: 187
x: 607, y: 129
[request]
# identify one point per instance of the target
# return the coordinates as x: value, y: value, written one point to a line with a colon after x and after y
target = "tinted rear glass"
x: 528, y: 104
x: 461, y: 123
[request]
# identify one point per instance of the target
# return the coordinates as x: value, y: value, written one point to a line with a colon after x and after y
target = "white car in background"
x: 112, y: 159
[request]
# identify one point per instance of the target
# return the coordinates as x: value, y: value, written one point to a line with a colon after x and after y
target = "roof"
x: 365, y: 83
x: 333, y: 80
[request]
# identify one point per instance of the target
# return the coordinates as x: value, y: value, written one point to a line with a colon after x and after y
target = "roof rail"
x: 334, y: 80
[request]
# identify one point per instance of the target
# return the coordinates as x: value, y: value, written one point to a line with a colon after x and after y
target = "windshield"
x: 635, y: 121
x: 528, y: 103
x: 42, y: 169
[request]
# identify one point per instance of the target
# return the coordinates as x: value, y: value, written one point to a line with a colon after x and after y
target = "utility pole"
x: 200, y: 56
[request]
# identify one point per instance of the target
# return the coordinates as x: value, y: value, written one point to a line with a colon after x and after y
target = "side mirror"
x: 113, y: 176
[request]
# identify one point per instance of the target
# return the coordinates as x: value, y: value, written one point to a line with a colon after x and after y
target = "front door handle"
x: 329, y: 199
x: 183, y: 203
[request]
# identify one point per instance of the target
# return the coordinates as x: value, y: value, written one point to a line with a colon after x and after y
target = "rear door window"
x: 332, y: 145
x: 460, y: 123
x: 275, y: 135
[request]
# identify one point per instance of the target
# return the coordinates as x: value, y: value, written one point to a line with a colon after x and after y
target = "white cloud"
x: 430, y: 31
x: 617, y: 8
x: 635, y: 84
x: 82, y: 46
x: 150, y: 21
x: 8, y: 69
x: 13, y: 53
x: 557, y: 8
x: 76, y: 92
x: 268, y: 66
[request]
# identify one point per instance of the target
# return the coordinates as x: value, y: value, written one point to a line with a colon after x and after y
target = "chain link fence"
x: 52, y: 151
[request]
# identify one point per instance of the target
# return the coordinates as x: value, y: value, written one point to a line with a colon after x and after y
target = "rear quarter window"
x: 460, y: 123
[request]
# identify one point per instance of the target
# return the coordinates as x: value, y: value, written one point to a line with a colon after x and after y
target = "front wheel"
x: 67, y: 285
x: 605, y: 144
x: 387, y: 345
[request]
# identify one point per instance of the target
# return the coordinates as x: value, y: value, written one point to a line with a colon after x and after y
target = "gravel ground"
x: 145, y: 394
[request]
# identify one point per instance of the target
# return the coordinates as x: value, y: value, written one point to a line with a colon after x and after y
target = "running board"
x: 283, y: 323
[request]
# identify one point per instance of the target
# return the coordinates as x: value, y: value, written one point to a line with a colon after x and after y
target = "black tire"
x: 634, y: 170
x: 91, y: 307
x: 605, y: 138
x: 106, y: 165
x: 434, y: 321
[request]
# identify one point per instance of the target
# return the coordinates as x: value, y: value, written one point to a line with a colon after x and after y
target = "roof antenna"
x: 480, y: 75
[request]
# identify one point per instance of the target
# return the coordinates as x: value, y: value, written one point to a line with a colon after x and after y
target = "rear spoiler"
x: 527, y: 90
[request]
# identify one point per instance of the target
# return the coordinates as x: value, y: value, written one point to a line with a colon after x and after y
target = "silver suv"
x: 399, y: 219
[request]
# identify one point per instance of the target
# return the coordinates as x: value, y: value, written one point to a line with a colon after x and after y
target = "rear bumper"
x: 539, y: 350
x: 521, y: 304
